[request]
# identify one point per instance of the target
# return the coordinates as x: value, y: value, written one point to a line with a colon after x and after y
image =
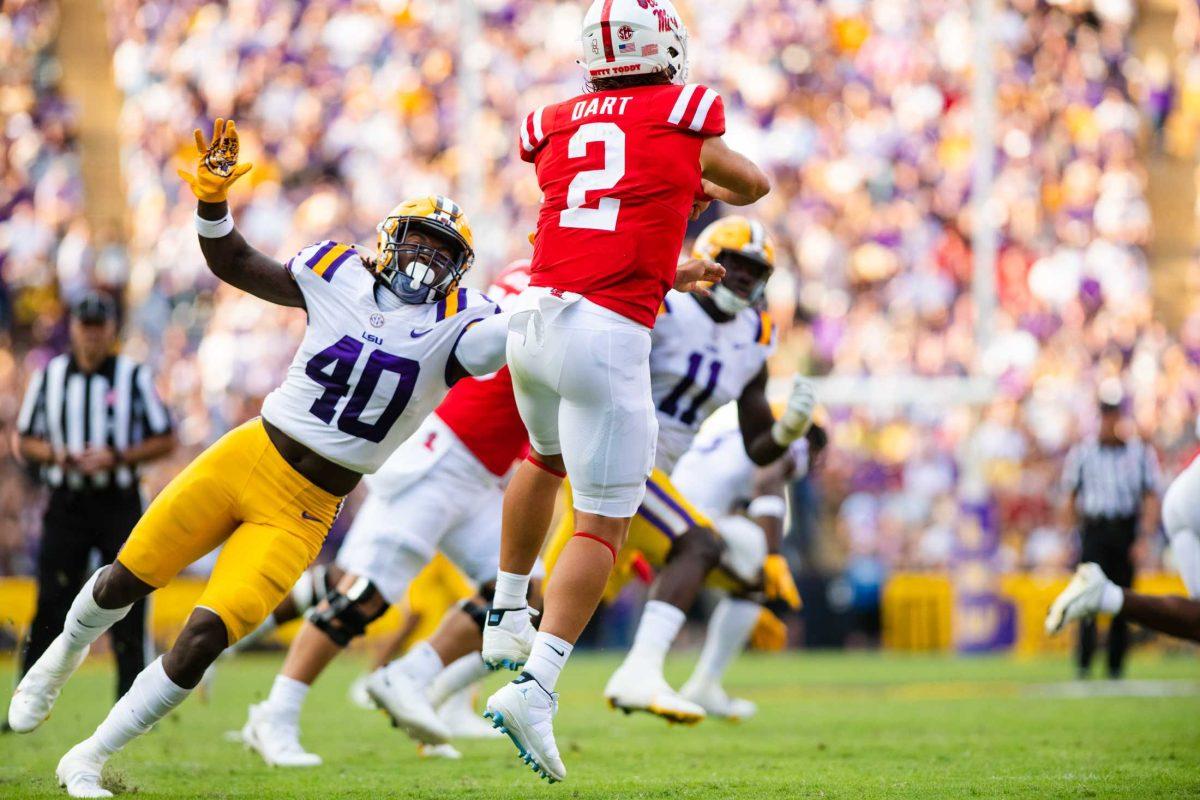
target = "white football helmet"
x: 634, y: 37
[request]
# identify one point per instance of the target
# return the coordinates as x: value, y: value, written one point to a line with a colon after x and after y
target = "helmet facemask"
x: 744, y: 283
x: 418, y: 271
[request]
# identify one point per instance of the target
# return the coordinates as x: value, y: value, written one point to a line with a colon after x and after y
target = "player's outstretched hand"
x: 797, y: 416
x: 218, y: 167
x: 698, y: 275
x: 778, y: 583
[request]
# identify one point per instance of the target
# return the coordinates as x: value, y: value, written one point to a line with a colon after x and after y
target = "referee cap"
x: 94, y: 308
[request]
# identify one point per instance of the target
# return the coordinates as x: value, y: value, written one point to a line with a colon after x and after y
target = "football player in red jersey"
x: 621, y: 168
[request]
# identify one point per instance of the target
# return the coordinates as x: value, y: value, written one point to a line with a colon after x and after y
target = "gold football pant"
x: 239, y: 493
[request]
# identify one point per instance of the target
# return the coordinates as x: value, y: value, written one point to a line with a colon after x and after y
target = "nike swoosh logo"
x: 555, y: 649
x: 418, y: 334
x: 306, y: 515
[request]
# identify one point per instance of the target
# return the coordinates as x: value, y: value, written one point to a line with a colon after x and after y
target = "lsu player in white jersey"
x: 441, y: 490
x: 705, y: 352
x: 747, y: 505
x: 383, y: 343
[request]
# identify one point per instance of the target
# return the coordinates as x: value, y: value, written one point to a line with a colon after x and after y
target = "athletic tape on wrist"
x: 214, y: 228
x: 769, y: 505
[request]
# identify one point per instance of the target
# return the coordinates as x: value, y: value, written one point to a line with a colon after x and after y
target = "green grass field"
x: 830, y: 726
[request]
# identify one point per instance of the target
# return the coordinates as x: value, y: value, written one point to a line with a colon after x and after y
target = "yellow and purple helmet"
x: 417, y: 272
x: 746, y: 250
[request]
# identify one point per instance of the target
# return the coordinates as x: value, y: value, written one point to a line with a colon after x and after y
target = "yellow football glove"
x: 770, y: 634
x: 778, y: 583
x: 218, y: 167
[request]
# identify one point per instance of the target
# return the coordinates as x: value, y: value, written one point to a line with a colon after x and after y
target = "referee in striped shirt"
x: 1113, y: 484
x: 89, y: 418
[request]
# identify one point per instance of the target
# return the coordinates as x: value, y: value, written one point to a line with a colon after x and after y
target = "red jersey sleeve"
x: 534, y: 128
x: 698, y: 109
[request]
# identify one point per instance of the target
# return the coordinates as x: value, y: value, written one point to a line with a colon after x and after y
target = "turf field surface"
x: 830, y: 726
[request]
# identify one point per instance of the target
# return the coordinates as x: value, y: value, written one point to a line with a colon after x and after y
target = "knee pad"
x: 343, y: 617
x: 476, y: 611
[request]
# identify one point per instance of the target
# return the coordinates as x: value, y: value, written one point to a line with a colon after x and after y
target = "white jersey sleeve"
x: 698, y: 365
x: 716, y: 475
x: 363, y: 377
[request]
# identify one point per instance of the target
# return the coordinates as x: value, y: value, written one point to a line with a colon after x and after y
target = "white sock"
x: 1185, y: 546
x: 1112, y: 599
x: 657, y: 629
x: 287, y: 698
x: 151, y: 697
x: 512, y: 590
x: 728, y: 630
x: 421, y: 664
x: 86, y: 620
x: 457, y: 676
x: 546, y: 660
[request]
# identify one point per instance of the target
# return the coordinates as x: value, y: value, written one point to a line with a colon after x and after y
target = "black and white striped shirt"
x: 116, y: 406
x: 1110, y: 480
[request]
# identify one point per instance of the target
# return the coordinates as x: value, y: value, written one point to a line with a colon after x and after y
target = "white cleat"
x: 358, y: 693
x: 635, y: 688
x: 35, y: 695
x: 1080, y: 599
x: 716, y: 703
x: 507, y: 638
x: 461, y: 718
x: 446, y: 751
x: 525, y: 711
x: 277, y: 741
x: 79, y: 772
x: 405, y: 703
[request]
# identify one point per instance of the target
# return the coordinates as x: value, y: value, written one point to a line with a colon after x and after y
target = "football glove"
x: 769, y: 633
x: 778, y: 583
x: 218, y: 167
x: 797, y: 416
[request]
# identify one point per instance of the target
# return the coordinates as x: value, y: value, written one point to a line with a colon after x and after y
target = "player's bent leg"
x: 1176, y: 616
x: 403, y: 688
x: 728, y: 631
x: 93, y: 611
x: 528, y: 510
x: 272, y: 728
x: 156, y: 691
x: 638, y: 684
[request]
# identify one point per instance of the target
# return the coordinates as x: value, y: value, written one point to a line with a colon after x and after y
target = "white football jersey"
x: 717, y: 476
x: 698, y: 365
x: 364, y: 378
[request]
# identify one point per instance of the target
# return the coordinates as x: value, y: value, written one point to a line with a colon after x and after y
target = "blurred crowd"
x: 860, y: 110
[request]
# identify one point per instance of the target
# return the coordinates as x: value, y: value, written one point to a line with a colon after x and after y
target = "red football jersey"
x: 482, y: 412
x: 619, y: 171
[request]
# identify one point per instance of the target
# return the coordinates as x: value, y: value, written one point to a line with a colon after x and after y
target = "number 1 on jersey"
x: 604, y: 216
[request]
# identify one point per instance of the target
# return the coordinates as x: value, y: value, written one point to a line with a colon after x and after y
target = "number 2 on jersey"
x: 331, y: 369
x: 604, y: 216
